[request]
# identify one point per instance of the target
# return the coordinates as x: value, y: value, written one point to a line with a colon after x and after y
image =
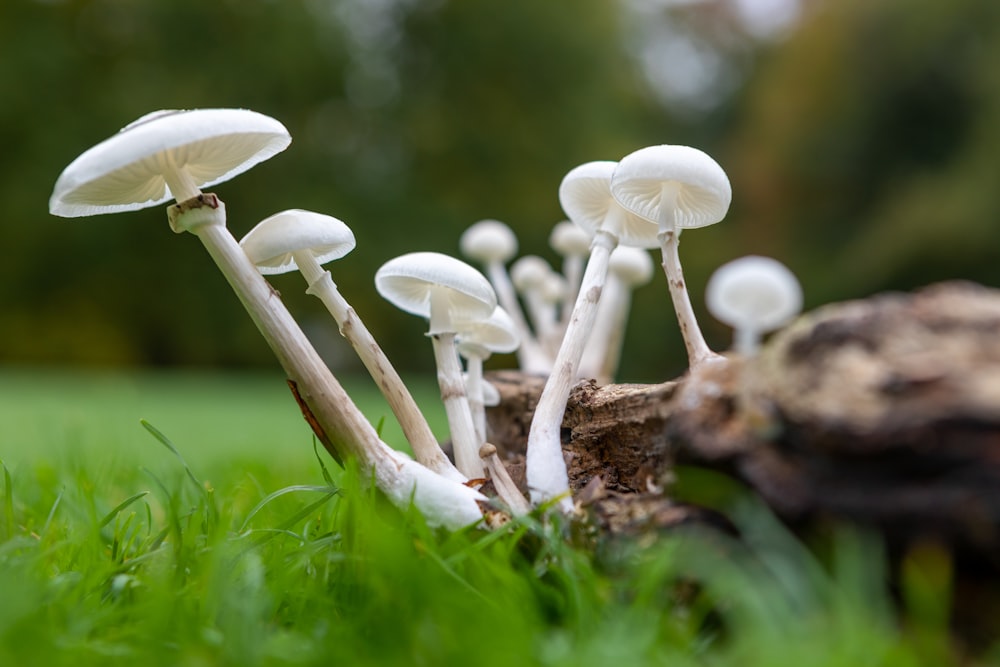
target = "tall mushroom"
x: 585, y: 195
x: 676, y: 187
x: 305, y: 241
x: 171, y: 154
x: 531, y: 276
x: 492, y: 243
x: 628, y: 268
x: 446, y: 291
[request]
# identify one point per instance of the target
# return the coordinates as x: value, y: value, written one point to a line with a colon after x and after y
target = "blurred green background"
x: 861, y: 139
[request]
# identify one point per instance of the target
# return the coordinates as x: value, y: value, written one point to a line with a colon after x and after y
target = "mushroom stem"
x: 602, y: 351
x: 669, y: 236
x: 530, y: 355
x: 545, y: 466
x: 456, y: 405
x: 415, y: 428
x: 339, y: 424
x: 474, y: 389
x: 505, y: 487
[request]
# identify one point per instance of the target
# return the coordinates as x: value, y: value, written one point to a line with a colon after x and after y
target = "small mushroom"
x: 628, y: 268
x: 173, y: 154
x: 477, y: 341
x: 447, y: 291
x: 492, y: 243
x: 754, y: 295
x: 585, y: 195
x: 531, y: 276
x: 305, y: 241
x: 676, y: 187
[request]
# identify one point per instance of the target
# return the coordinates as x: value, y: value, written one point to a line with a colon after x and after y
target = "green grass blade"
x: 8, y: 502
x: 165, y: 441
x: 331, y: 490
x: 109, y: 517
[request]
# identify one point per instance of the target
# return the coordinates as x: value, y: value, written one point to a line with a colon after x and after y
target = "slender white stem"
x: 573, y: 273
x: 335, y: 418
x: 669, y: 237
x: 531, y: 357
x: 546, y: 468
x: 474, y: 389
x: 411, y: 420
x: 746, y: 341
x: 452, y: 385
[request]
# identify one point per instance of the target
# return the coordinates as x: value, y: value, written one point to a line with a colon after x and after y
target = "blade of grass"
x: 109, y: 517
x: 331, y: 490
x: 165, y: 441
x: 8, y: 502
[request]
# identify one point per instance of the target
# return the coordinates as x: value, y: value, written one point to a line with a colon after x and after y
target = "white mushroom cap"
x: 411, y: 282
x: 529, y: 272
x: 703, y: 192
x: 496, y: 333
x: 754, y: 293
x: 585, y: 196
x: 272, y: 242
x: 633, y: 266
x: 131, y: 170
x: 488, y: 241
x: 568, y: 239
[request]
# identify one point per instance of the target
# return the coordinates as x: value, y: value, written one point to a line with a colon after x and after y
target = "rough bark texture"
x: 884, y: 411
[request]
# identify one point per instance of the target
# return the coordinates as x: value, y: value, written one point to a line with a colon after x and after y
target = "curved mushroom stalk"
x: 676, y: 187
x: 505, y: 487
x: 304, y: 240
x: 545, y: 467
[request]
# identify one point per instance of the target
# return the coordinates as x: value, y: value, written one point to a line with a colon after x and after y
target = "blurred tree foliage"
x: 861, y: 148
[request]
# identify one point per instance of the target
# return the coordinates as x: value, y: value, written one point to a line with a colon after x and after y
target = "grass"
x: 219, y: 536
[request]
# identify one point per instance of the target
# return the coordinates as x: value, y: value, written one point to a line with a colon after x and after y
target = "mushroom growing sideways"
x: 753, y: 295
x: 676, y: 187
x: 446, y: 291
x: 585, y: 195
x: 303, y: 240
x: 173, y: 154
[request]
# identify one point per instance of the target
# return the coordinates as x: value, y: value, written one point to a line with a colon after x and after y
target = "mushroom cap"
x: 569, y: 239
x: 495, y: 333
x: 633, y: 266
x: 529, y: 272
x: 410, y: 281
x: 752, y: 292
x: 488, y: 241
x: 271, y: 243
x: 125, y: 171
x: 585, y: 196
x: 703, y: 195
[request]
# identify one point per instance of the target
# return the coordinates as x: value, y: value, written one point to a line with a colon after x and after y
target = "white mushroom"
x: 477, y: 341
x: 173, y: 154
x: 585, y: 195
x: 505, y: 487
x: 492, y: 243
x: 753, y: 295
x: 304, y: 241
x: 677, y: 187
x: 628, y: 268
x: 530, y: 275
x: 446, y: 291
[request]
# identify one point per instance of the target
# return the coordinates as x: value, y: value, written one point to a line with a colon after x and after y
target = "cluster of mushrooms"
x: 569, y: 328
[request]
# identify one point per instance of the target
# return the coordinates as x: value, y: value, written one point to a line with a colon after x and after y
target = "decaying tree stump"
x: 884, y: 411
